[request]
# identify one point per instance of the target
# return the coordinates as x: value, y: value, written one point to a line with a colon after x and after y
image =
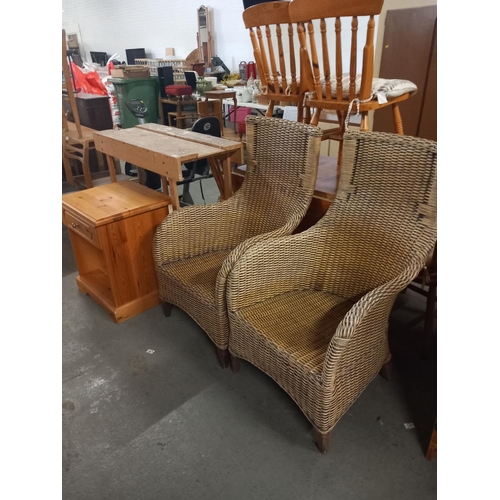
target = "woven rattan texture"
x: 371, y: 243
x: 282, y: 160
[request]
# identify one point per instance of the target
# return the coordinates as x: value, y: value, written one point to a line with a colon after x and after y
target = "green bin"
x: 146, y: 89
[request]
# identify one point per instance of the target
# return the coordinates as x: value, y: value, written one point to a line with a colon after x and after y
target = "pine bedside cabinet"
x: 111, y: 228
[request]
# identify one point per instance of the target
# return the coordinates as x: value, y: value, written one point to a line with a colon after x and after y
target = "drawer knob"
x: 74, y: 225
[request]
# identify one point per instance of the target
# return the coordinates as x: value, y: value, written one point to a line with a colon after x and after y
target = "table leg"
x: 111, y: 166
x: 141, y: 174
x: 164, y: 184
x: 218, y: 177
x: 174, y: 194
x: 100, y: 161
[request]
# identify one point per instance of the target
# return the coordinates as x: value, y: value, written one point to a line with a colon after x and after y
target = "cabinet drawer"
x: 84, y: 229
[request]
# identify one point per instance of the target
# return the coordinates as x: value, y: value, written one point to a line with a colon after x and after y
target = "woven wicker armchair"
x: 196, y: 247
x: 311, y: 310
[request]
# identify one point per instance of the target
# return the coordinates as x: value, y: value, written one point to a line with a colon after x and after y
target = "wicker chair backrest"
x: 384, y: 213
x: 282, y: 163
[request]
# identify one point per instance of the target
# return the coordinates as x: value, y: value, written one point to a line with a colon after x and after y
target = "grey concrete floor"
x: 171, y: 424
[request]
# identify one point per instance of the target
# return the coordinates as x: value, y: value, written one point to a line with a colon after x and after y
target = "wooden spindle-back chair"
x: 332, y: 80
x: 273, y: 35
x: 77, y: 140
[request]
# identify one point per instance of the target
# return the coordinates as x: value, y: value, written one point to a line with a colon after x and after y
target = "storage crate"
x: 130, y: 72
x: 179, y: 66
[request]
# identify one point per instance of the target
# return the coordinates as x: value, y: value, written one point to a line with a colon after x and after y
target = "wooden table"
x: 221, y: 95
x: 111, y: 228
x: 163, y: 150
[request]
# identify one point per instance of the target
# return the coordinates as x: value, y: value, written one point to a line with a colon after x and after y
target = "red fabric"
x: 178, y: 90
x: 90, y: 82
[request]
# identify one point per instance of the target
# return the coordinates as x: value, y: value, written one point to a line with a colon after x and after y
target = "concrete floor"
x: 171, y: 424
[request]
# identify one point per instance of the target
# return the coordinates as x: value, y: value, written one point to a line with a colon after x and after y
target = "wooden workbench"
x: 163, y: 150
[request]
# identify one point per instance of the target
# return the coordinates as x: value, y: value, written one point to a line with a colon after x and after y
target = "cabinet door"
x: 428, y: 119
x: 409, y: 42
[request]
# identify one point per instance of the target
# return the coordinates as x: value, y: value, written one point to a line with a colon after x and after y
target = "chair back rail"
x: 314, y: 71
x: 269, y: 24
x: 304, y: 10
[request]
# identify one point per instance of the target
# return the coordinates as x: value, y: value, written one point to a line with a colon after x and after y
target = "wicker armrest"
x: 199, y: 229
x: 235, y: 256
x: 366, y: 322
x: 272, y: 267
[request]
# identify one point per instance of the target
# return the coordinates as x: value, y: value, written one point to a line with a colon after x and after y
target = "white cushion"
x: 382, y: 89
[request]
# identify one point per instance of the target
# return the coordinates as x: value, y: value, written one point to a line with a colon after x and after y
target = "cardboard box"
x: 130, y: 72
x: 170, y: 51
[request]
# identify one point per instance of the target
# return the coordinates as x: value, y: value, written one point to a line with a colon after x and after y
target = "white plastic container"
x: 212, y: 80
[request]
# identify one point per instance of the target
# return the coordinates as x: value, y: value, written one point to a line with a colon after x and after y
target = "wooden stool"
x: 179, y: 102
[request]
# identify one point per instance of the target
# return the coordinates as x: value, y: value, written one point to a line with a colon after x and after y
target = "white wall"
x: 115, y: 25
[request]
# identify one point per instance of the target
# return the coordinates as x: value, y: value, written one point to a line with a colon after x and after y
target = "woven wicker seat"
x: 311, y: 310
x: 196, y: 247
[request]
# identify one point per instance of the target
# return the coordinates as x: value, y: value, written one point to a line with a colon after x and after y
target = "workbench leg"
x: 174, y: 194
x: 164, y: 184
x: 218, y: 177
x: 141, y: 174
x: 111, y: 166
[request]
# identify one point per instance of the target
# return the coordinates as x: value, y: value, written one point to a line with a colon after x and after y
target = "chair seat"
x: 300, y: 324
x: 381, y: 87
x: 198, y: 274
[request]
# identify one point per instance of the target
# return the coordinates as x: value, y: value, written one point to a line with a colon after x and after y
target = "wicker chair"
x: 311, y: 310
x: 196, y: 247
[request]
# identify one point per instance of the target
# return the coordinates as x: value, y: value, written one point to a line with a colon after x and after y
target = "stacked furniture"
x: 77, y: 140
x: 178, y: 65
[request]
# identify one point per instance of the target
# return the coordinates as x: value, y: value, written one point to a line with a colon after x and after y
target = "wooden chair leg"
x: 234, y: 362
x: 67, y: 168
x: 315, y: 119
x: 365, y: 123
x: 300, y: 111
x: 398, y: 121
x: 223, y: 357
x: 270, y: 110
x: 386, y: 370
x: 167, y: 308
x: 432, y: 449
x: 322, y: 440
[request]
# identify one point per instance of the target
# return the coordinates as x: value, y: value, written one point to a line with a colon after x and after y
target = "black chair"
x: 200, y: 169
